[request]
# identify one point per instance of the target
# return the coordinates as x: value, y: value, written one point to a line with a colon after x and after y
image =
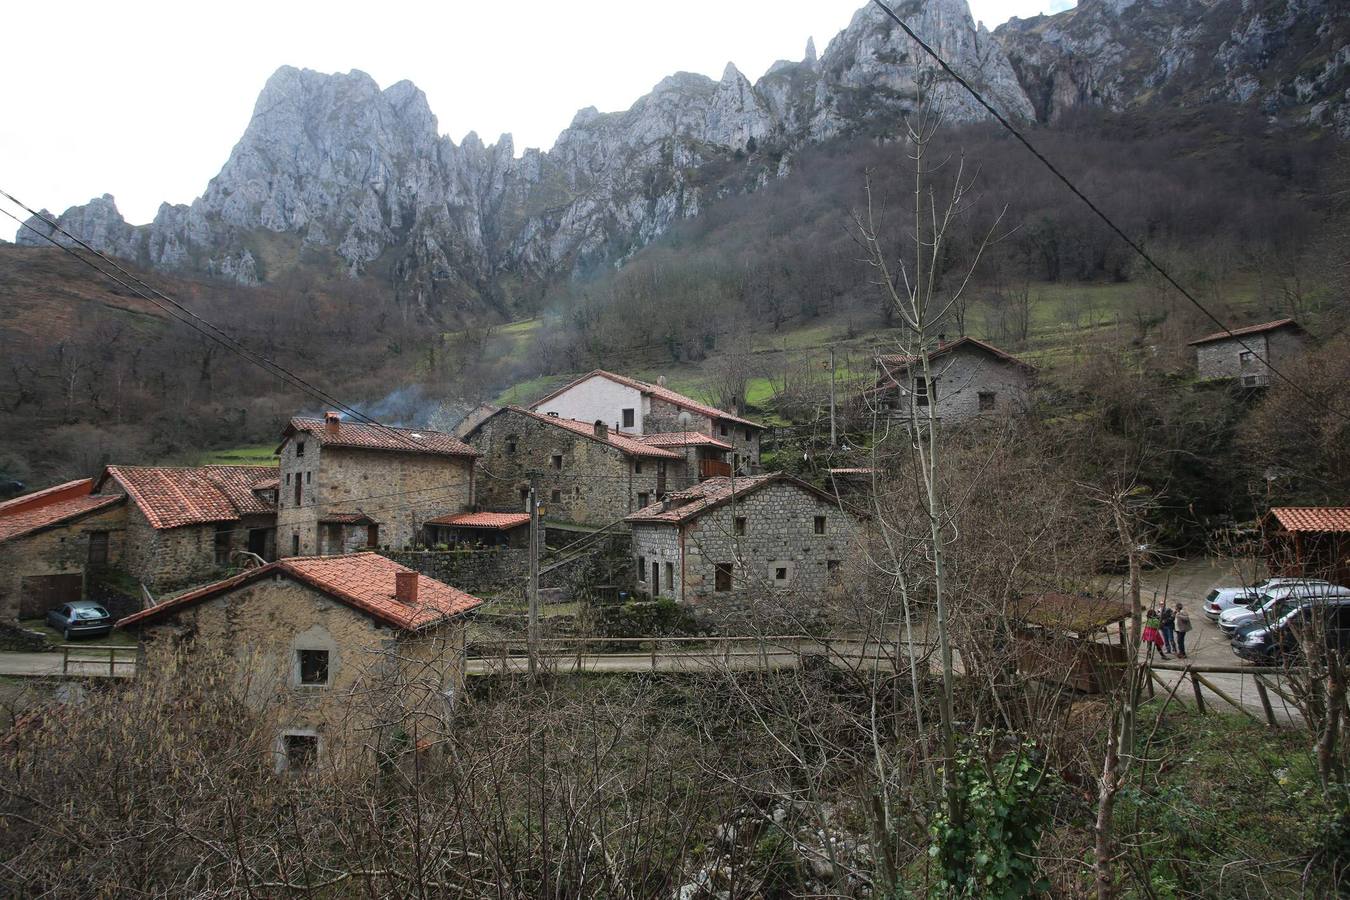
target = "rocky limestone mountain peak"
x: 331, y: 163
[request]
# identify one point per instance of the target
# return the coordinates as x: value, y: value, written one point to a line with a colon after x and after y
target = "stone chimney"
x: 332, y: 422
x: 405, y: 587
x: 601, y: 430
x: 942, y: 341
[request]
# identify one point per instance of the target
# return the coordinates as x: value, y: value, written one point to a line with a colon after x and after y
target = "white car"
x: 1222, y: 599
x: 1274, y: 603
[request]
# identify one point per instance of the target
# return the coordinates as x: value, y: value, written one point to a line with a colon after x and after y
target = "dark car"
x: 1323, y: 619
x: 83, y: 618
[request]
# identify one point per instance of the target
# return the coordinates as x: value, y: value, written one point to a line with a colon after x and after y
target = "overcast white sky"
x: 144, y: 100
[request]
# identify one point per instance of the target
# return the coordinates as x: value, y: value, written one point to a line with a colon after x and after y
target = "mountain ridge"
x: 359, y: 177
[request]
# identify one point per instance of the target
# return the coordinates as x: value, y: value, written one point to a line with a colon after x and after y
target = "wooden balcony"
x: 713, y: 468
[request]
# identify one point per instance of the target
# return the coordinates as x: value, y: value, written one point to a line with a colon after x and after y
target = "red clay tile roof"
x: 630, y: 445
x: 689, y: 504
x: 171, y: 497
x: 1248, y: 329
x: 900, y: 361
x: 49, y: 507
x: 1313, y: 518
x: 48, y: 495
x: 675, y: 398
x: 363, y: 581
x: 683, y: 439
x: 267, y: 484
x: 379, y: 437
x: 500, y: 521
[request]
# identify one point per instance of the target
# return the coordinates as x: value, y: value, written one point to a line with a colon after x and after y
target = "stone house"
x: 741, y: 536
x: 704, y: 456
x: 346, y: 486
x: 326, y: 648
x: 587, y: 474
x: 630, y: 406
x: 1239, y: 354
x: 969, y: 378
x: 54, y: 543
x: 186, y: 525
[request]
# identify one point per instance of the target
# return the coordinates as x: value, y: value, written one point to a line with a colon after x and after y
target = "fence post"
x: 1265, y: 700
x: 1199, y: 697
x: 65, y: 659
x: 112, y: 662
x: 653, y: 654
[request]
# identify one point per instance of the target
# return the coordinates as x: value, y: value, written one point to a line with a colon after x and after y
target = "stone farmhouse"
x: 1238, y: 354
x: 183, y: 525
x: 630, y: 406
x: 740, y: 536
x: 346, y: 486
x: 328, y: 648
x: 587, y: 474
x: 969, y: 379
x: 53, y: 545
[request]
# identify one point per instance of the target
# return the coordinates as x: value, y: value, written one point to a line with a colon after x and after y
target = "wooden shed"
x: 1308, y: 541
x: 1064, y: 638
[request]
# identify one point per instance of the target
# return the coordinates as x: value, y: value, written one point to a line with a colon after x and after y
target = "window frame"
x: 293, y: 762
x: 642, y: 569
x: 819, y: 524
x: 300, y: 667
x: 988, y: 400
x: 739, y: 526
x: 628, y: 417
x: 723, y: 574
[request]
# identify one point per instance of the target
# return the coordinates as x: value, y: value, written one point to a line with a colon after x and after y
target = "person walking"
x: 1167, y: 618
x: 1151, y: 633
x: 1182, y: 620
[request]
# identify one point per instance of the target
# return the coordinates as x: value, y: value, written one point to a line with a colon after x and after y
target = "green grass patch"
x: 251, y: 455
x: 115, y: 638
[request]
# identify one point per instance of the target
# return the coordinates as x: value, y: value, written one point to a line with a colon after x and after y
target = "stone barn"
x: 54, y: 544
x: 346, y: 486
x: 328, y: 648
x: 741, y: 536
x: 967, y: 379
x: 1238, y: 354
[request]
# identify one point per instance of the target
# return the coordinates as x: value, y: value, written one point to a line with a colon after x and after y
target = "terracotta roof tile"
x: 1245, y: 330
x: 48, y: 495
x: 683, y: 439
x: 380, y: 437
x: 363, y: 581
x: 171, y: 497
x: 501, y: 521
x: 689, y: 504
x: 1313, y: 518
x: 675, y: 398
x: 893, y: 361
x: 18, y: 522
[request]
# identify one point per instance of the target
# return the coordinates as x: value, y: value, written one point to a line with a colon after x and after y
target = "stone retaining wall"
x: 479, y: 573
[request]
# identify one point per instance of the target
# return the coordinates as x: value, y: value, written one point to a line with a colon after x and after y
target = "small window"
x: 297, y: 488
x: 637, y: 467
x: 748, y: 435
x: 819, y: 524
x: 302, y: 750
x: 288, y: 479
x: 780, y: 573
x: 670, y: 575
x: 986, y: 401
x: 723, y: 429
x: 555, y: 496
x: 740, y: 524
x: 309, y: 477
x: 313, y: 666
x: 722, y: 577
x: 642, y: 568
x: 295, y: 545
x: 223, y: 544
x: 1246, y: 356
x: 831, y: 566
x: 511, y: 444
x: 372, y: 535
x: 299, y: 448
x: 643, y: 498
x: 629, y: 418
x: 922, y: 392
x: 557, y: 460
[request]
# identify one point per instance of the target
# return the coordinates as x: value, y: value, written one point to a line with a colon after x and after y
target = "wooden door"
x: 39, y: 593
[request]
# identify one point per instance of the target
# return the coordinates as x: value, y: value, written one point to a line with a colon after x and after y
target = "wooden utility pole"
x: 833, y: 441
x: 532, y: 635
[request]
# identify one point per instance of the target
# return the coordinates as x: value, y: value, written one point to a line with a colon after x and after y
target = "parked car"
x: 1274, y: 603
x: 82, y: 618
x: 1222, y: 599
x: 1319, y: 618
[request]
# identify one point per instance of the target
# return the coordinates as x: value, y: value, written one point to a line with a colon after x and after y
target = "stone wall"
x: 399, y: 491
x: 779, y: 539
x: 482, y: 573
x: 1224, y: 358
x: 596, y: 484
x: 961, y: 377
x: 261, y: 626
x: 170, y: 558
x: 667, y: 417
x: 63, y: 550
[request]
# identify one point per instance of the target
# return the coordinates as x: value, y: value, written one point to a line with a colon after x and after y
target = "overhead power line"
x: 1134, y: 245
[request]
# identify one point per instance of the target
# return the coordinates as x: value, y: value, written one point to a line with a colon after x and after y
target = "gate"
x: 39, y: 593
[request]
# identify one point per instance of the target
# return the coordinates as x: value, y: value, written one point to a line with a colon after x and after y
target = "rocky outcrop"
x: 331, y: 167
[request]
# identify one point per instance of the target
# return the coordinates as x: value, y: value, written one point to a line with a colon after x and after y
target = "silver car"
x: 1277, y: 602
x: 81, y: 618
x: 1221, y: 600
